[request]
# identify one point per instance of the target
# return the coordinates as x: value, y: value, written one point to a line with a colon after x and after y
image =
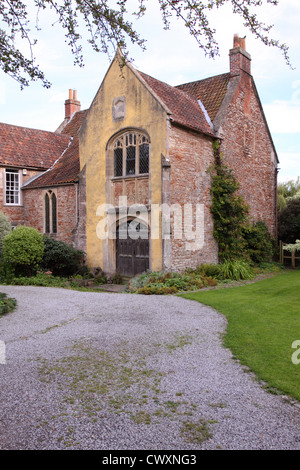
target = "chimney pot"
x: 72, y: 105
x: 240, y: 60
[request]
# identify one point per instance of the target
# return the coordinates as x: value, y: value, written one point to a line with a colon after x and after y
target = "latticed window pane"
x: 12, y: 190
x: 47, y: 214
x: 54, y: 217
x: 144, y: 158
x: 130, y: 160
x: 118, y: 154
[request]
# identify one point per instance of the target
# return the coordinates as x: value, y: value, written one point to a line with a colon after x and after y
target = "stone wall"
x: 188, y: 185
x: 67, y: 211
x: 248, y: 150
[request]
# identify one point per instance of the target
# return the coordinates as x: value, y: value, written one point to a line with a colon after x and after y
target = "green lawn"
x: 263, y: 322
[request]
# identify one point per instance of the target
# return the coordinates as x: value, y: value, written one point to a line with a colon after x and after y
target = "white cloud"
x: 289, y: 166
x: 283, y: 116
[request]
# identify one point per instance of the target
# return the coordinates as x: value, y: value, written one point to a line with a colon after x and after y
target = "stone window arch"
x: 50, y: 212
x: 131, y: 154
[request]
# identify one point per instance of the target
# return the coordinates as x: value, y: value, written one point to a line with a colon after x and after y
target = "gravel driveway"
x: 118, y: 371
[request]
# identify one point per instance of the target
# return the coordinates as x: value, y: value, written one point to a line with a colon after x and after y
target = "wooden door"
x: 132, y: 248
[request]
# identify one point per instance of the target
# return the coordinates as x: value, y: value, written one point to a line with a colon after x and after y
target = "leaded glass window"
x: 50, y: 212
x: 131, y: 154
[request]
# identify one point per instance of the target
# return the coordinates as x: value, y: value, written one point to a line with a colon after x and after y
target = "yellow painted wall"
x: 142, y: 111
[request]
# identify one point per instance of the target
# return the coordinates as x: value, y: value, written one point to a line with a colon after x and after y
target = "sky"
x: 172, y: 56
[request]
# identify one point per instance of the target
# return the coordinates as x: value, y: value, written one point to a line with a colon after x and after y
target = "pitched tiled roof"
x: 30, y: 148
x: 181, y: 102
x: 211, y: 91
x: 184, y: 108
x: 67, y: 167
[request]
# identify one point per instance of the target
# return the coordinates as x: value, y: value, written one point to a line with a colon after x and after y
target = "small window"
x: 12, y: 187
x: 54, y: 216
x: 131, y: 154
x: 47, y: 213
x: 50, y: 212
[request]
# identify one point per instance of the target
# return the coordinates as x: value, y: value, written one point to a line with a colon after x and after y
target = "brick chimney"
x: 72, y: 105
x: 240, y: 60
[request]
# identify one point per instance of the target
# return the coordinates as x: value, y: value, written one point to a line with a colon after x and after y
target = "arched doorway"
x: 132, y: 248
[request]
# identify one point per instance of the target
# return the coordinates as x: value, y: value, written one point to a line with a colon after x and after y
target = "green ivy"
x: 228, y: 209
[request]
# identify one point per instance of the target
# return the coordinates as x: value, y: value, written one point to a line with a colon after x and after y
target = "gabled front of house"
x: 131, y: 185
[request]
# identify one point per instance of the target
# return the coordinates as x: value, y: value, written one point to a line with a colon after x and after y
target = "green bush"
x: 61, y: 259
x: 161, y: 283
x: 209, y: 270
x: 289, y: 221
x: 7, y: 304
x: 23, y: 250
x: 5, y: 228
x: 259, y: 243
x: 236, y: 270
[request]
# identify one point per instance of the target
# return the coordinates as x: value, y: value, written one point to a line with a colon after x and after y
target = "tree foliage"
x: 289, y: 221
x: 108, y: 24
x: 287, y: 191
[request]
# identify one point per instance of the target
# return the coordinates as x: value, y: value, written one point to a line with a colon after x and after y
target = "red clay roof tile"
x: 30, y: 148
x: 181, y: 101
x: 184, y: 107
x: 211, y: 91
x: 67, y: 167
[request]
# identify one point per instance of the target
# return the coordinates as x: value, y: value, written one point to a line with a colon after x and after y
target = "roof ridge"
x: 31, y: 129
x: 181, y: 117
x: 204, y: 79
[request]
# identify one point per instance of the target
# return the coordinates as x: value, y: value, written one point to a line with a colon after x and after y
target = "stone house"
x: 128, y: 181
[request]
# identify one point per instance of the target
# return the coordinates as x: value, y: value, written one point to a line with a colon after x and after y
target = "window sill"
x: 129, y: 177
x: 7, y: 204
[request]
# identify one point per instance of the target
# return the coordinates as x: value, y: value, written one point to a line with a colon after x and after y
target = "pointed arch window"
x: 50, y: 212
x: 131, y: 154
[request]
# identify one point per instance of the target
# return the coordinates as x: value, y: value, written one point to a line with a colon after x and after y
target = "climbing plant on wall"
x: 228, y: 209
x: 236, y: 236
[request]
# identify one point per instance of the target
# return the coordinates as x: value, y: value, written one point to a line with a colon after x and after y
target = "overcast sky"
x: 174, y: 57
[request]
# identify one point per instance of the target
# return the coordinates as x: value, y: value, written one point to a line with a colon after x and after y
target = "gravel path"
x: 118, y: 371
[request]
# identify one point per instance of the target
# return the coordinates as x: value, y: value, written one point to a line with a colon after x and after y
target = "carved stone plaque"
x: 119, y: 108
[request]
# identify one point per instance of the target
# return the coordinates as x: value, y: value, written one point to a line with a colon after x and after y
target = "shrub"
x: 236, y: 270
x: 61, y: 258
x: 23, y: 250
x: 161, y: 283
x: 259, y: 244
x: 5, y: 228
x: 209, y: 269
x: 40, y: 279
x: 7, y: 304
x: 289, y: 221
x: 153, y: 289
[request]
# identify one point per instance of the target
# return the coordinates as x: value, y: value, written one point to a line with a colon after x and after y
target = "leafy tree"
x: 106, y: 22
x: 287, y: 191
x: 289, y: 221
